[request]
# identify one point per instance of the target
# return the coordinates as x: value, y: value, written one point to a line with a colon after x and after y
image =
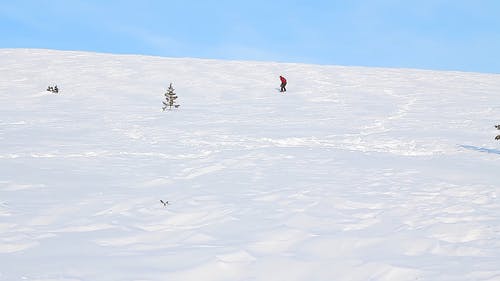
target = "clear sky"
x: 431, y: 34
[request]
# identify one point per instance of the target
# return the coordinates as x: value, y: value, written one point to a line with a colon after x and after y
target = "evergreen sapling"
x: 170, y: 99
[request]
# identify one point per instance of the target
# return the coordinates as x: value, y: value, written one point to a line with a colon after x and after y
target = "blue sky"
x: 428, y: 34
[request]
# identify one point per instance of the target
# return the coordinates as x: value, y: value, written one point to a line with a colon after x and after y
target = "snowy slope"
x: 354, y: 174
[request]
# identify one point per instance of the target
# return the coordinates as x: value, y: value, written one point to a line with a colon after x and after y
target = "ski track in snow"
x: 353, y: 174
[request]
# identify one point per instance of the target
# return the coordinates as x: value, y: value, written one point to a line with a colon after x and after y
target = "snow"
x: 353, y: 174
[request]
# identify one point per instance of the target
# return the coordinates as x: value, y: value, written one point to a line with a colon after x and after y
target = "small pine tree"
x: 170, y: 98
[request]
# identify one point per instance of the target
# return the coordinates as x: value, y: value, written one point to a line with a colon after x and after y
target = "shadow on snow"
x: 481, y: 149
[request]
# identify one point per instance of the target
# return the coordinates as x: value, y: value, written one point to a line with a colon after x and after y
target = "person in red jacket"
x: 283, y: 84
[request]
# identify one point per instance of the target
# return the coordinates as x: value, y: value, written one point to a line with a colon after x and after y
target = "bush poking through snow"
x: 54, y: 89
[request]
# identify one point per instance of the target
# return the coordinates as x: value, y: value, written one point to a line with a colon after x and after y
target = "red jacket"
x: 283, y: 80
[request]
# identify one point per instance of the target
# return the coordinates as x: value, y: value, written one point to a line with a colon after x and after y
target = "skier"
x: 283, y: 84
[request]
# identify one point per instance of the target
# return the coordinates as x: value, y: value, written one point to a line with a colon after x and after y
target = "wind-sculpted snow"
x: 354, y: 174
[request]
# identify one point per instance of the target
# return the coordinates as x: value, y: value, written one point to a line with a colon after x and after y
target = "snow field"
x: 353, y: 174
